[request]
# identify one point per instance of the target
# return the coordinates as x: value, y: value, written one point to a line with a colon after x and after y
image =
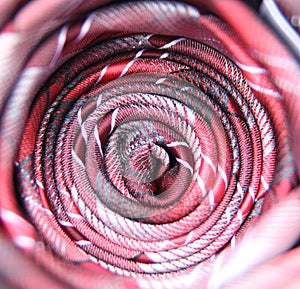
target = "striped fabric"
x: 149, y: 144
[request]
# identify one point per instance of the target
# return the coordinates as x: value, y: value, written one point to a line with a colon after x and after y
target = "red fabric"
x: 149, y: 144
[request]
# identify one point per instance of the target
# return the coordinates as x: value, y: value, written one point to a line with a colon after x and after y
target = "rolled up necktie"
x: 147, y: 144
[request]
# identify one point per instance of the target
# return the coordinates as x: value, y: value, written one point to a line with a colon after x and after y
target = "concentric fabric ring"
x: 144, y: 138
x: 91, y: 177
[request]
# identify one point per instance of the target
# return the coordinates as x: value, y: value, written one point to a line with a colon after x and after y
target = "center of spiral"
x: 145, y: 168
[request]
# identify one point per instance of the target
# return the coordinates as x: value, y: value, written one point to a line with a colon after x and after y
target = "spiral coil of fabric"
x: 141, y: 141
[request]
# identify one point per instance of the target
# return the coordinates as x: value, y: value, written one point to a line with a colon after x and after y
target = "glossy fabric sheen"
x: 149, y: 144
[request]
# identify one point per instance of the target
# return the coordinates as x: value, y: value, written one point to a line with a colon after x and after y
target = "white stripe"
x: 98, y: 140
x: 64, y: 223
x: 202, y: 186
x: 103, y: 71
x: 99, y: 100
x: 165, y: 55
x: 252, y: 193
x: 130, y: 63
x: 172, y: 43
x: 251, y: 69
x: 95, y: 221
x: 148, y: 36
x: 233, y: 242
x: 74, y: 193
x: 83, y: 133
x: 40, y: 184
x: 189, y: 238
x: 113, y: 119
x: 265, y: 184
x: 85, y: 27
x: 81, y: 205
x: 139, y: 53
x: 223, y: 175
x: 11, y: 217
x: 240, y: 190
x: 186, y: 88
x: 75, y: 216
x: 83, y: 242
x: 88, y: 214
x: 62, y: 37
x: 27, y: 79
x: 79, y: 118
x: 177, y: 143
x: 185, y: 164
x: 209, y: 162
x: 94, y: 259
x: 161, y: 80
x: 24, y: 242
x: 264, y: 90
x: 211, y: 200
x: 31, y: 72
x: 240, y: 216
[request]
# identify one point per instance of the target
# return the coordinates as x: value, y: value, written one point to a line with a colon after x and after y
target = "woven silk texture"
x: 149, y: 144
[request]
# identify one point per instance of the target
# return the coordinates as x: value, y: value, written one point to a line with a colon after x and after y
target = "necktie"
x: 148, y: 144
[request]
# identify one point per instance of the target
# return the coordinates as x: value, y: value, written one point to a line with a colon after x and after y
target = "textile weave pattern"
x: 147, y: 144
